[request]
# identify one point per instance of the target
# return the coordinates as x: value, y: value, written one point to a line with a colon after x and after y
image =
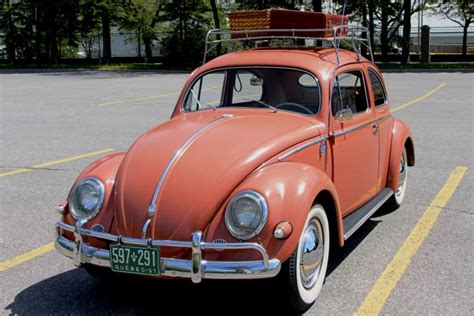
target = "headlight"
x: 86, y: 198
x: 246, y: 215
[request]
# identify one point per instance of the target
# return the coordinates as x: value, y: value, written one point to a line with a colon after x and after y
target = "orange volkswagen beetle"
x: 270, y: 156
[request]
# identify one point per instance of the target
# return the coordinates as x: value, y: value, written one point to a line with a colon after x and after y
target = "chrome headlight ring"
x: 90, y: 188
x: 246, y: 214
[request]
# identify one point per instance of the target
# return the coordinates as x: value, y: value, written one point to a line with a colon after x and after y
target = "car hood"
x: 199, y: 158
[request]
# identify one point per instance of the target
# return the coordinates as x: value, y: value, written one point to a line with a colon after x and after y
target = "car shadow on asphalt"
x: 340, y: 254
x: 75, y: 292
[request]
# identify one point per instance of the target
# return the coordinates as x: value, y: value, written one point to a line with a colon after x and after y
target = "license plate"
x: 135, y: 260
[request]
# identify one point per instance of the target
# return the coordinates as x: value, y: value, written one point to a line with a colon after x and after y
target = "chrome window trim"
x: 315, y: 141
x: 257, y: 197
x: 152, y: 207
x: 99, y: 203
x: 371, y: 70
x: 365, y: 85
x: 316, y: 78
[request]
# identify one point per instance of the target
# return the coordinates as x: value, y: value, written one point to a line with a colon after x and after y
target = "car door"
x: 379, y: 101
x: 354, y: 139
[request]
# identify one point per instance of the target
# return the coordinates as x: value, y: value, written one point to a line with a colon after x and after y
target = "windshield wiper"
x: 202, y: 103
x: 262, y: 103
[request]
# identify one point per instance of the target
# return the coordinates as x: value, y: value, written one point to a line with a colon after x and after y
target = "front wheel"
x: 305, y: 270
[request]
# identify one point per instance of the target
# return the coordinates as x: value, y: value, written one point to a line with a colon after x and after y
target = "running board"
x: 357, y: 218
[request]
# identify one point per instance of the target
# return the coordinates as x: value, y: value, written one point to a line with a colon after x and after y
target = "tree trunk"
x: 217, y: 25
x: 53, y: 44
x: 317, y: 5
x: 406, y: 31
x: 106, y: 42
x: 363, y: 50
x: 148, y: 48
x: 384, y: 30
x: 464, y: 40
x: 371, y: 25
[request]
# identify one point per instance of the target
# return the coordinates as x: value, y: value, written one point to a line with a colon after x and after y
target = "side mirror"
x: 256, y: 81
x: 344, y: 115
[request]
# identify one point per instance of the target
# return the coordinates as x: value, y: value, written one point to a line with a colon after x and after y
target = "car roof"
x: 315, y: 60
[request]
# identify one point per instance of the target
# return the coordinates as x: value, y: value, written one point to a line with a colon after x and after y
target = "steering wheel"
x: 296, y: 105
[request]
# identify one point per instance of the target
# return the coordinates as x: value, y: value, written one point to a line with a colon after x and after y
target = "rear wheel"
x: 305, y: 271
x: 398, y: 197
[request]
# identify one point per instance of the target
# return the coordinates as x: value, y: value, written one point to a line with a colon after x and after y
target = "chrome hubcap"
x: 311, y: 253
x: 403, y: 174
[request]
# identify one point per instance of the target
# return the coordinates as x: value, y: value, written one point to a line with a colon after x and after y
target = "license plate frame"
x: 135, y: 260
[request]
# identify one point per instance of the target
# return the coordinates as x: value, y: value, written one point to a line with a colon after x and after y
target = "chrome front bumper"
x: 196, y: 268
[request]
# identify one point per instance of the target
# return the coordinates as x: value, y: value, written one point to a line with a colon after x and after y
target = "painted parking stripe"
x: 26, y: 256
x: 385, y: 284
x: 55, y: 162
x: 138, y: 99
x: 419, y: 98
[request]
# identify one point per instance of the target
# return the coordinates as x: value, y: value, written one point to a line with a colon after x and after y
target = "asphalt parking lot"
x: 53, y: 124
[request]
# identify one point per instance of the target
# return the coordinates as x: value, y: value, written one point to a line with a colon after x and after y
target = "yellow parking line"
x: 376, y: 298
x: 55, y: 162
x: 26, y: 256
x: 139, y: 99
x: 419, y: 98
x: 151, y: 97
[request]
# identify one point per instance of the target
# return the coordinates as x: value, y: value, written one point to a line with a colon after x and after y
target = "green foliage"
x: 139, y: 16
x: 185, y: 25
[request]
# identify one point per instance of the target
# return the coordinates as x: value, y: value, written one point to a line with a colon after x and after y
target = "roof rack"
x: 352, y: 35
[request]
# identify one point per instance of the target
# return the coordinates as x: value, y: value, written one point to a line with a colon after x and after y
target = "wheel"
x: 397, y: 198
x: 306, y: 268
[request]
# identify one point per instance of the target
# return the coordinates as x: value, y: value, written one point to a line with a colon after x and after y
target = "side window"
x: 247, y: 86
x: 349, y: 92
x: 208, y: 90
x: 377, y: 88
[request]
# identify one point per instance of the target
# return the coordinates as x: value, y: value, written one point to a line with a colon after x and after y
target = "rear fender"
x: 401, y: 139
x: 290, y: 189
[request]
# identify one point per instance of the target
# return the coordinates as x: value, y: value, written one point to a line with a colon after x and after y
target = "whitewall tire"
x: 306, y: 268
x: 398, y: 197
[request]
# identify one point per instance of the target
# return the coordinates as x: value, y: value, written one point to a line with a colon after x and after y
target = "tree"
x: 406, y: 31
x: 185, y: 24
x: 317, y: 5
x: 142, y: 16
x: 460, y: 12
x: 217, y: 23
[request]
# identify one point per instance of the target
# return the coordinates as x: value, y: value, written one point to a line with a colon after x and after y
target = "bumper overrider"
x: 196, y: 268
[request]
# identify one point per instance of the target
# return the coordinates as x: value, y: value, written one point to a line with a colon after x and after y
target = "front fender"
x: 401, y: 139
x: 290, y: 189
x: 105, y: 169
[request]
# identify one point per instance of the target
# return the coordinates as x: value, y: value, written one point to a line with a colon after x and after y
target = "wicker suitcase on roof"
x: 286, y: 19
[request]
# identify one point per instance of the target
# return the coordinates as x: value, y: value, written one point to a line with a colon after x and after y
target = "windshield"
x: 271, y: 88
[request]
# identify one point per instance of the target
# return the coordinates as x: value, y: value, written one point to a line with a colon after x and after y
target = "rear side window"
x: 349, y: 92
x: 377, y: 89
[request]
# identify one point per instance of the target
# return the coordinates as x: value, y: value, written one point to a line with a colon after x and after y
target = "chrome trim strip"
x: 358, y: 127
x: 152, y: 207
x: 315, y: 141
x: 196, y: 268
x: 145, y: 228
